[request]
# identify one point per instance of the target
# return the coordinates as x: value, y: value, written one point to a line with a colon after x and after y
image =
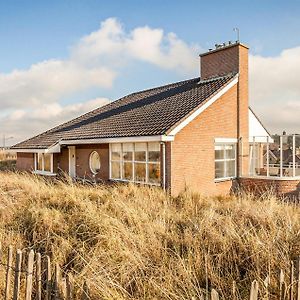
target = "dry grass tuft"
x: 132, y: 242
x: 7, y: 160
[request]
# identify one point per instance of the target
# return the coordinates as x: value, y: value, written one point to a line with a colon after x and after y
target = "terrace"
x: 278, y: 157
x: 274, y: 163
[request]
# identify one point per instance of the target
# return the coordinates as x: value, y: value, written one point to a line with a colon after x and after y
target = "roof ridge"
x: 217, y: 77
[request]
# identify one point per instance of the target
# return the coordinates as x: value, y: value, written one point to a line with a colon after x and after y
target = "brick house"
x: 190, y: 134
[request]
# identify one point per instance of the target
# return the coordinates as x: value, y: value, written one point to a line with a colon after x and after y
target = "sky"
x: 60, y: 59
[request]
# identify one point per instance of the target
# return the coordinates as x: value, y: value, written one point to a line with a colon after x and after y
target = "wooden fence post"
x: 18, y: 270
x: 281, y: 285
x: 233, y: 290
x: 85, y: 292
x: 254, y: 290
x: 292, y: 281
x: 29, y: 274
x: 48, y: 278
x: 266, y: 284
x: 38, y: 277
x: 214, y: 295
x: 56, y: 281
x: 298, y: 279
x: 8, y: 273
x: 69, y: 287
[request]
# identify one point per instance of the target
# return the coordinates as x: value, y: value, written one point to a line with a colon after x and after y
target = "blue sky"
x: 33, y: 32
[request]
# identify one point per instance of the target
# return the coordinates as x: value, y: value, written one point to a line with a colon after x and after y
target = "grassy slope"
x: 136, y: 243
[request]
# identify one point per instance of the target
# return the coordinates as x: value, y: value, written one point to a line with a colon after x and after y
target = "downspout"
x: 164, y: 164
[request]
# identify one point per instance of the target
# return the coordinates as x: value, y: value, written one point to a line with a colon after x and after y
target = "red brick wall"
x: 61, y: 161
x: 192, y: 153
x: 220, y: 62
x: 289, y: 187
x: 82, y: 160
x: 25, y: 161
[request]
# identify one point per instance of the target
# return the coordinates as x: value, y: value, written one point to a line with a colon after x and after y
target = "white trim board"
x: 203, y: 107
x: 154, y: 138
x: 226, y: 140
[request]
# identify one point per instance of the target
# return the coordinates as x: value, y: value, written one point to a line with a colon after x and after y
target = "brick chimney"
x: 232, y: 58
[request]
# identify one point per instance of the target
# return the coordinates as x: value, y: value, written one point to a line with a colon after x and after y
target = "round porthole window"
x: 95, y: 162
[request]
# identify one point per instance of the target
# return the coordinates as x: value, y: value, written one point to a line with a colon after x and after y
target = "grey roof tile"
x: 146, y: 113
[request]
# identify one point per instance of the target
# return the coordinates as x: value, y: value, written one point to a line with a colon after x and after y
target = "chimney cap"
x: 220, y: 47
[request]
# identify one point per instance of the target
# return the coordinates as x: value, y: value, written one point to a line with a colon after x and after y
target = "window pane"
x: 154, y: 173
x: 47, y: 162
x: 219, y: 169
x: 230, y: 151
x: 230, y: 168
x: 140, y: 152
x: 40, y: 161
x: 128, y: 151
x: 116, y: 151
x: 127, y: 171
x: 95, y: 162
x: 115, y: 170
x: 219, y: 152
x: 154, y: 151
x: 140, y: 172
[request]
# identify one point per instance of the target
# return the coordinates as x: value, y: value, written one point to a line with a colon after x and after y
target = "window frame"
x: 90, y: 161
x: 225, y: 160
x: 133, y: 162
x: 42, y: 171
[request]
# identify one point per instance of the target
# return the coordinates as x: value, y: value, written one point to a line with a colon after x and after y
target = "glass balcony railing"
x: 278, y: 156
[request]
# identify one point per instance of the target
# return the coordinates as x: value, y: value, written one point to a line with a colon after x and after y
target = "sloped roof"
x: 146, y: 113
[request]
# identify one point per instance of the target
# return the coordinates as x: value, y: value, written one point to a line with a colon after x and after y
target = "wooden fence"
x: 43, y: 282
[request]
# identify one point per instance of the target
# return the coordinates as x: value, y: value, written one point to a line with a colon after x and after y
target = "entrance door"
x: 72, y: 161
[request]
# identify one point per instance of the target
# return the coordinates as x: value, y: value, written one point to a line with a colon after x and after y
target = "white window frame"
x: 90, y: 162
x: 43, y: 172
x: 225, y: 159
x: 133, y: 161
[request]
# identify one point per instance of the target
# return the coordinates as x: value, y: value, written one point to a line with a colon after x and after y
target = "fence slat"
x: 38, y: 277
x: 292, y: 281
x: 56, y: 281
x: 85, y: 292
x: 298, y: 279
x: 8, y: 272
x: 0, y: 251
x: 233, y: 290
x: 48, y: 278
x: 69, y: 287
x: 29, y: 274
x: 281, y: 285
x: 214, y: 295
x: 254, y: 290
x: 18, y: 267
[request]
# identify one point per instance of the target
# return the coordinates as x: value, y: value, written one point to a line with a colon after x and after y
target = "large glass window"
x: 135, y: 162
x: 225, y: 161
x: 44, y: 162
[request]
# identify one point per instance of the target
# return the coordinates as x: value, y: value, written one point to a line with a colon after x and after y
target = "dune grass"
x: 7, y: 160
x: 133, y: 242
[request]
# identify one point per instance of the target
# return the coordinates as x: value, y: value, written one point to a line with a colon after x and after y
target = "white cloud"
x: 112, y: 43
x: 275, y: 89
x: 31, y: 99
x: 25, y: 123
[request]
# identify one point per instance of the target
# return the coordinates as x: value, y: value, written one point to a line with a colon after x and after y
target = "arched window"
x: 95, y: 163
